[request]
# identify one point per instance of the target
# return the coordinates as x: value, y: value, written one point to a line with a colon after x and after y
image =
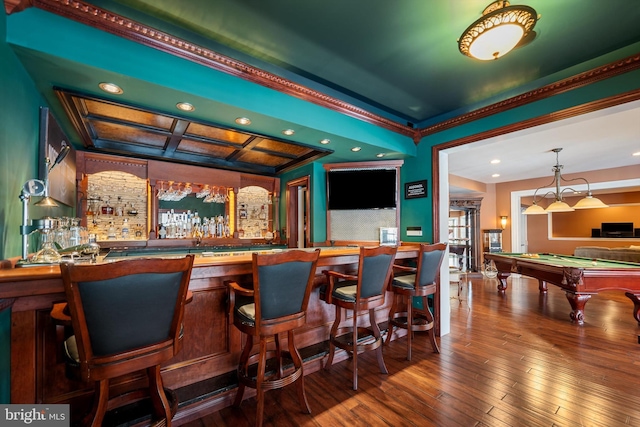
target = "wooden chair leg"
x: 100, y: 404
x: 297, y: 364
x: 354, y: 351
x: 392, y: 312
x: 161, y: 407
x: 262, y: 362
x: 276, y: 339
x: 409, y: 325
x: 332, y: 335
x: 243, y: 367
x: 432, y: 331
x: 376, y: 333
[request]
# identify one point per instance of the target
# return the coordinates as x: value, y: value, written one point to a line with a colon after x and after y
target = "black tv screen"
x: 361, y: 189
x: 617, y: 229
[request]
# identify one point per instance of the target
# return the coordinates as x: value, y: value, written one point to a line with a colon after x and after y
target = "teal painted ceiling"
x: 395, y: 59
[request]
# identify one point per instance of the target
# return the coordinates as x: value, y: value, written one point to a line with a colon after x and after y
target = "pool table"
x: 579, y: 277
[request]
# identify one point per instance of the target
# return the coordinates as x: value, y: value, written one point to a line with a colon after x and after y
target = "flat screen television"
x: 617, y: 229
x: 361, y: 189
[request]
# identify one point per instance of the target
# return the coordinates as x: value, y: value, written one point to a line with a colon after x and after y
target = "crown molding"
x: 126, y: 28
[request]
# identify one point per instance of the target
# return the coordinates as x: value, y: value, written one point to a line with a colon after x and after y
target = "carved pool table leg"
x: 502, y: 281
x: 542, y: 286
x: 577, y: 302
x: 636, y: 305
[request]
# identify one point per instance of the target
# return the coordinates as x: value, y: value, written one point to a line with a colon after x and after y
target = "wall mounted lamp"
x: 503, y: 221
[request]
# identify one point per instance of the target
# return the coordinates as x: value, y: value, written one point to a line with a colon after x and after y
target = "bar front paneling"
x: 211, y: 346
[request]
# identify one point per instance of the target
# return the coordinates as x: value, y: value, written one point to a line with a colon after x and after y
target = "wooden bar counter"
x: 202, y: 374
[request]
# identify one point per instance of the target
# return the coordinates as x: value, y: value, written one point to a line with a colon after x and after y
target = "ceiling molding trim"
x: 123, y: 27
x: 14, y: 6
x: 615, y: 68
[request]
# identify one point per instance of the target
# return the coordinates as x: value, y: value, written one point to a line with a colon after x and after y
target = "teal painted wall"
x: 318, y: 202
x: 19, y: 136
x: 18, y: 145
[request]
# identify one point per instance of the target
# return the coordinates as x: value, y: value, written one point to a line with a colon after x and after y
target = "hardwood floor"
x: 510, y: 360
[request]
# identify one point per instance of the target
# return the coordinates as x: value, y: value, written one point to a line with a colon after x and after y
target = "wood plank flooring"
x: 512, y: 359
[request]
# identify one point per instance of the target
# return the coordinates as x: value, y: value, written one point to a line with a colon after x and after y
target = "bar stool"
x: 282, y: 284
x: 364, y: 291
x: 422, y: 283
x: 126, y: 316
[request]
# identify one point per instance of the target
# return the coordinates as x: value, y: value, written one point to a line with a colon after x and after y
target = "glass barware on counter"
x: 47, y: 252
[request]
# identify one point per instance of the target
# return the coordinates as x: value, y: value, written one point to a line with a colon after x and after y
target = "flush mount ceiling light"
x: 243, y: 121
x: 559, y: 205
x: 501, y: 28
x: 325, y: 141
x: 288, y: 132
x: 185, y: 106
x: 356, y: 149
x: 111, y: 88
x: 380, y: 155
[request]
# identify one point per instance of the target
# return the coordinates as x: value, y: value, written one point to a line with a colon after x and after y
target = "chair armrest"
x: 60, y: 314
x: 405, y: 268
x: 235, y: 288
x: 345, y: 276
x: 331, y: 278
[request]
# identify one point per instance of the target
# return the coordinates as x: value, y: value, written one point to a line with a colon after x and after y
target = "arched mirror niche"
x: 116, y: 206
x: 255, y: 213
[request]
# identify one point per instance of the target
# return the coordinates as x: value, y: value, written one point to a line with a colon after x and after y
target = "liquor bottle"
x: 171, y: 226
x: 107, y: 209
x: 111, y: 231
x: 125, y: 229
x: 188, y: 225
x: 119, y: 209
x: 263, y: 213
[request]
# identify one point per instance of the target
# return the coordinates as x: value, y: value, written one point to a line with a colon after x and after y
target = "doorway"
x: 297, y: 205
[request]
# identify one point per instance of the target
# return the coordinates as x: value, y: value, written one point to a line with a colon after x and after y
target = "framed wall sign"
x: 62, y: 178
x: 415, y: 189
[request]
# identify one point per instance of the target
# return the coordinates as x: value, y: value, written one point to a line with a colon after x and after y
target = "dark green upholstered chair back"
x: 282, y: 283
x: 375, y: 273
x: 131, y: 311
x: 126, y: 307
x: 429, y: 264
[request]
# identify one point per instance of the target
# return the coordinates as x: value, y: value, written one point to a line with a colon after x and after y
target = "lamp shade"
x: 559, y: 206
x: 534, y: 210
x: 590, y: 202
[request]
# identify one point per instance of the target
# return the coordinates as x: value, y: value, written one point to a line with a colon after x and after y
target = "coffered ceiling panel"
x: 112, y: 128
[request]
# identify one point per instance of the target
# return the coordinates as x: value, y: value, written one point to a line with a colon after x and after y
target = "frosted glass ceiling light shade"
x: 559, y: 205
x: 535, y: 210
x: 500, y: 29
x: 590, y: 202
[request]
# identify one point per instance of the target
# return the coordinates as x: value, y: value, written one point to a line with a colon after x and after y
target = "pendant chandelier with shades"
x: 559, y: 205
x: 501, y: 28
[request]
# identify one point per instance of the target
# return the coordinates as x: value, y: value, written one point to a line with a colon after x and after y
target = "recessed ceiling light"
x: 111, y: 88
x: 495, y: 175
x: 495, y: 161
x: 243, y: 121
x: 325, y: 141
x: 637, y: 153
x: 185, y: 106
x: 380, y: 155
x: 288, y: 132
x: 354, y: 149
